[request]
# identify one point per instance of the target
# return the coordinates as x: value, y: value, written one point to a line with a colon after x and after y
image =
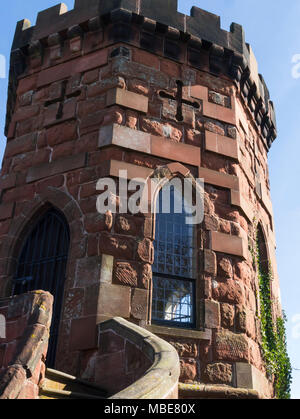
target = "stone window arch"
x: 265, y: 269
x: 175, y: 269
x: 262, y: 250
x: 42, y: 264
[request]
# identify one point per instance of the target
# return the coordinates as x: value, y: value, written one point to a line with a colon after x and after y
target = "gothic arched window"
x: 174, y: 268
x: 262, y: 251
x: 42, y: 266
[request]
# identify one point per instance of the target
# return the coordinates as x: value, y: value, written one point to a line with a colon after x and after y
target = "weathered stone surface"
x: 212, y: 314
x: 225, y: 268
x: 185, y: 348
x: 231, y: 347
x: 114, y: 300
x: 146, y: 276
x: 210, y: 262
x: 98, y: 222
x: 244, y: 272
x: 245, y: 321
x: 23, y: 350
x: 229, y: 291
x: 74, y: 303
x: 145, y: 251
x: 188, y: 370
x: 139, y: 304
x: 87, y: 271
x: 127, y: 99
x: 117, y: 246
x: 218, y: 373
x: 227, y: 315
x: 232, y: 245
x: 126, y: 274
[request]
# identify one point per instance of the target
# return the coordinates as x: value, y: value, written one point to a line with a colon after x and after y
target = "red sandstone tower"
x: 137, y: 86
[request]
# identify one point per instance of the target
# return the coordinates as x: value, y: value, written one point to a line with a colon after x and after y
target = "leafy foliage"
x: 274, y: 343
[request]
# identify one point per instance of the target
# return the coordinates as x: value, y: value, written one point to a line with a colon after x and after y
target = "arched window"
x: 174, y: 268
x: 265, y: 287
x: 42, y: 266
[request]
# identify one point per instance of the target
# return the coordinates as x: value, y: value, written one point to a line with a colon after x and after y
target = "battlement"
x: 139, y: 93
x: 201, y: 24
x: 199, y: 31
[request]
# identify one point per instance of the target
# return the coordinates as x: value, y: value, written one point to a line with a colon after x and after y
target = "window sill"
x: 180, y: 333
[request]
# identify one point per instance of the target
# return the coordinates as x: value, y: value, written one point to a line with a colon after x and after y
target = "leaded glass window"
x: 174, y: 268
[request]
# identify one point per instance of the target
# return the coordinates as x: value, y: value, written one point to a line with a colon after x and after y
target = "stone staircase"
x: 58, y: 385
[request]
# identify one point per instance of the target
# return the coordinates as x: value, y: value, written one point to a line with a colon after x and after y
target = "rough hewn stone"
x: 218, y: 373
x: 231, y: 347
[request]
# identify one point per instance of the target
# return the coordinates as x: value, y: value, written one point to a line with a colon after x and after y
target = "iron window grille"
x: 42, y: 266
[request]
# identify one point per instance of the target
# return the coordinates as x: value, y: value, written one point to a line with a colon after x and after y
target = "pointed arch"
x: 175, y: 270
x: 161, y: 177
x: 11, y: 243
x: 42, y: 265
x: 25, y: 221
x: 262, y: 249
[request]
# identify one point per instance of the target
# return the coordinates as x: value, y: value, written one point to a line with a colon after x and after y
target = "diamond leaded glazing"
x: 174, y: 264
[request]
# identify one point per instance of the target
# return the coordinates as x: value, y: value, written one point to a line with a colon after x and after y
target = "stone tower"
x: 134, y: 85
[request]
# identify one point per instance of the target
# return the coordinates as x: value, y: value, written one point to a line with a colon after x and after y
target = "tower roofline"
x: 201, y: 28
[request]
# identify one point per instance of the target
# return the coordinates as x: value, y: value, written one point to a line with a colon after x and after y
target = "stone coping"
x: 32, y: 345
x: 161, y: 380
x: 205, y: 334
x: 204, y: 391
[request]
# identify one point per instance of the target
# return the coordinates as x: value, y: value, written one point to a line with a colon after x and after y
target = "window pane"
x: 175, y: 242
x: 173, y: 300
x: 174, y: 265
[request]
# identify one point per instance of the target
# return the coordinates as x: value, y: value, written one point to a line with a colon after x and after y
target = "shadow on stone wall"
x: 132, y: 363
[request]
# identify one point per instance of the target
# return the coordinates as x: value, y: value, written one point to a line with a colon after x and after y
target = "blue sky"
x: 273, y: 30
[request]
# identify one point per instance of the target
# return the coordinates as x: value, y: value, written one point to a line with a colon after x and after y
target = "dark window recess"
x: 174, y: 270
x: 42, y: 266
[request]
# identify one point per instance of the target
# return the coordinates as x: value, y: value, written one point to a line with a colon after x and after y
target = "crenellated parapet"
x: 129, y: 90
x: 196, y: 40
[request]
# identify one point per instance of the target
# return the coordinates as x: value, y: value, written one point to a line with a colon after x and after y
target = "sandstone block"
x: 229, y: 291
x: 126, y: 273
x: 218, y: 373
x: 231, y: 347
x: 127, y: 99
x: 227, y: 315
x: 212, y: 314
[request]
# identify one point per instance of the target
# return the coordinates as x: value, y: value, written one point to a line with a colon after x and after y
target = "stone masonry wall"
x: 24, y: 348
x: 143, y: 365
x: 86, y: 106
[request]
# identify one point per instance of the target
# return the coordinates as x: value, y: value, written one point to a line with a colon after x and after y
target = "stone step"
x: 58, y: 385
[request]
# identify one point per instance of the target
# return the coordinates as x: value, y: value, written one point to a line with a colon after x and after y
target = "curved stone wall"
x: 24, y: 348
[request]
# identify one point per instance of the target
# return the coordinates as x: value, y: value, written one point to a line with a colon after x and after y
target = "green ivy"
x: 274, y: 343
